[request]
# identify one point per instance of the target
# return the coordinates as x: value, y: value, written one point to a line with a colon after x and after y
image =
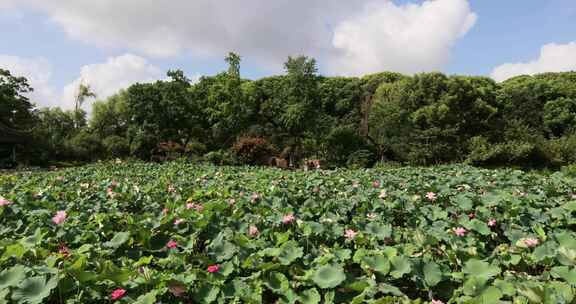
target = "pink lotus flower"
x: 472, y: 215
x: 4, y: 202
x: 288, y: 218
x: 172, y: 244
x: 492, y: 222
x: 253, y: 231
x: 437, y: 302
x: 198, y: 207
x: 383, y: 194
x: 460, y: 231
x: 178, y: 222
x: 213, y: 268
x: 376, y: 184
x: 118, y: 294
x: 59, y: 218
x: 531, y: 242
x: 431, y: 196
x: 165, y: 211
x: 350, y: 234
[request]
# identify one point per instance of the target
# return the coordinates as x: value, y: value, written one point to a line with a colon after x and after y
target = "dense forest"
x: 423, y: 119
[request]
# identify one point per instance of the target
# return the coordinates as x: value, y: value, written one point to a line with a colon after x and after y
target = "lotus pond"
x: 182, y: 233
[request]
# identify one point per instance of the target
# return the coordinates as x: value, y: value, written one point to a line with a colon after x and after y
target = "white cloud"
x: 354, y: 36
x: 553, y: 58
x: 259, y: 28
x: 409, y: 38
x: 106, y: 79
x: 38, y: 72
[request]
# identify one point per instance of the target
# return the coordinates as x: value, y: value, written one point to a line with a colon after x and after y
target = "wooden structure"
x: 9, y: 138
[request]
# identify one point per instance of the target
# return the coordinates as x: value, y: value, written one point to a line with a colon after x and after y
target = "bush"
x: 360, y: 159
x: 220, y: 158
x: 116, y: 146
x: 253, y: 150
x: 85, y: 146
x: 341, y: 144
x: 142, y: 144
x: 563, y: 149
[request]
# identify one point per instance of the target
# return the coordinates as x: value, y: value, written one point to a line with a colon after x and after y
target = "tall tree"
x: 84, y: 92
x: 16, y: 110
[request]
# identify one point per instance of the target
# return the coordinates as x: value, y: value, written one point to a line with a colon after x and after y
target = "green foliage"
x: 116, y: 146
x: 429, y: 118
x: 15, y: 108
x: 341, y: 143
x: 424, y: 119
x: 84, y: 146
x: 121, y: 217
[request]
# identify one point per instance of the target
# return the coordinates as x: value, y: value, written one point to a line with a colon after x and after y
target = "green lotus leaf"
x: 566, y: 273
x: 379, y: 231
x: 12, y: 277
x: 15, y: 250
x: 277, y: 282
x: 118, y: 240
x: 507, y: 288
x: 207, y: 293
x: 3, y: 292
x: 566, y: 256
x: 479, y: 227
x: 546, y: 250
x: 310, y: 296
x: 148, y: 298
x: 432, y: 274
x: 480, y: 269
x: 390, y: 289
x: 400, y: 266
x: 378, y: 263
x: 223, y: 251
x: 289, y: 253
x: 490, y: 295
x: 34, y: 290
x: 329, y: 276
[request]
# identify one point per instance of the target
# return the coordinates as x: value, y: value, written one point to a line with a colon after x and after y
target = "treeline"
x: 424, y: 119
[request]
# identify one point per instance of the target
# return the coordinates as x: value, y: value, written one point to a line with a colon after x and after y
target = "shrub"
x: 253, y: 150
x: 341, y: 143
x: 85, y: 146
x: 221, y: 158
x: 116, y: 146
x: 360, y: 159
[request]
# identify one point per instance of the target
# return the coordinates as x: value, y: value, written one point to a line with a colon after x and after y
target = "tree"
x: 431, y: 118
x: 84, y: 92
x: 111, y: 117
x: 224, y: 100
x: 16, y: 110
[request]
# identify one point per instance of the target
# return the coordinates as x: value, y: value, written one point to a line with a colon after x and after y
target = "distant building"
x: 9, y: 139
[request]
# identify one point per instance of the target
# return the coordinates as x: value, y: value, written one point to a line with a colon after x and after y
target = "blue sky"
x: 113, y: 43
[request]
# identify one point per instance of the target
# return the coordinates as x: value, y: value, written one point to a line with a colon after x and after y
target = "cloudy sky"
x: 110, y: 44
